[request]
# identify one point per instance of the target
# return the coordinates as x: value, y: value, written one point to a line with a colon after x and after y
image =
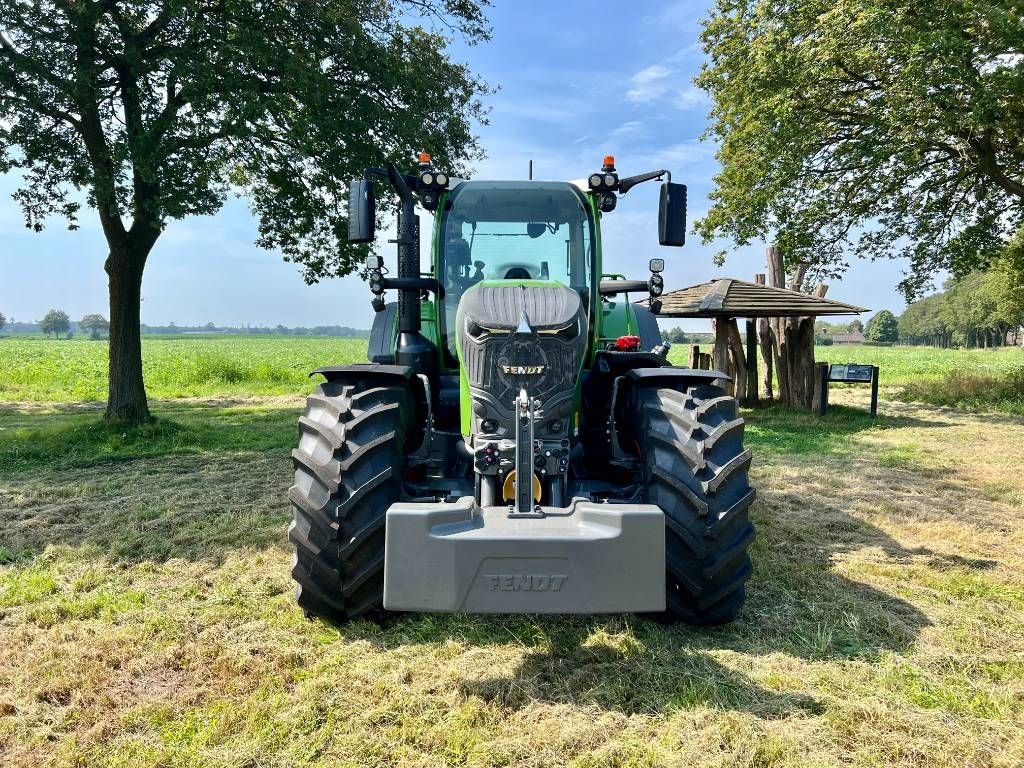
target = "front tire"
x: 690, y: 441
x: 348, y: 471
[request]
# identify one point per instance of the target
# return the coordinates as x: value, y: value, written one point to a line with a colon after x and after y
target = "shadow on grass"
x: 199, y: 482
x: 69, y: 440
x: 790, y: 431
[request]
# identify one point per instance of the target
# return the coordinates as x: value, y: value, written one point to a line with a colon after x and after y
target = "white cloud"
x: 648, y: 84
x: 630, y: 128
x: 691, y: 98
x: 662, y: 82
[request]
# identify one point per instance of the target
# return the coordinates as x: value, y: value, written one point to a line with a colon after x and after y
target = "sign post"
x: 850, y: 373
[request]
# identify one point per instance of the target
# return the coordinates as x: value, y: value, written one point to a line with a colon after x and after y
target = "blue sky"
x: 577, y: 81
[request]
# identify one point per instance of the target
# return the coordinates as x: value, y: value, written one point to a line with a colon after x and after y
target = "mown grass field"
x: 146, y: 614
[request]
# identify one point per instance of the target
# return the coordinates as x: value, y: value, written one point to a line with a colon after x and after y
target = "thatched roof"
x: 726, y: 297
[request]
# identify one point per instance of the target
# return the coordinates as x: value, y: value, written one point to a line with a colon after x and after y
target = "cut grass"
x: 146, y: 615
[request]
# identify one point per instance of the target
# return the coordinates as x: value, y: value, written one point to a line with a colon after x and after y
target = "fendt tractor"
x: 517, y: 441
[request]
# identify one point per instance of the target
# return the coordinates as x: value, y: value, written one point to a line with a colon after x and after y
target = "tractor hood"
x: 518, y: 335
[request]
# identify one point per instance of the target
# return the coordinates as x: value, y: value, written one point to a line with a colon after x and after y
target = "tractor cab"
x: 512, y: 231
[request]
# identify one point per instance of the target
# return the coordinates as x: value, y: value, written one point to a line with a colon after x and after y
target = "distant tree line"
x: 678, y: 336
x: 57, y: 323
x: 981, y: 309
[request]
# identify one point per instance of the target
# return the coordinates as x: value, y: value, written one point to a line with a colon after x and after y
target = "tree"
x: 1008, y: 273
x: 855, y: 326
x: 922, y: 322
x: 882, y: 327
x: 867, y: 128
x: 96, y: 325
x: 3, y: 321
x: 55, y: 322
x: 159, y: 109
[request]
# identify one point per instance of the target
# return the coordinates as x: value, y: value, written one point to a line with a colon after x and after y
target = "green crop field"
x: 39, y: 369
x: 147, y: 616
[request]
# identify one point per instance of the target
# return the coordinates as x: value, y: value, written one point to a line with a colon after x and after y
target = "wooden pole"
x: 819, y: 404
x: 752, y: 394
x: 738, y: 367
x: 778, y: 326
x: 764, y: 334
x: 721, y: 352
x: 695, y: 356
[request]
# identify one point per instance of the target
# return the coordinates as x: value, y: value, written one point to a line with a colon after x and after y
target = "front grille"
x: 560, y: 358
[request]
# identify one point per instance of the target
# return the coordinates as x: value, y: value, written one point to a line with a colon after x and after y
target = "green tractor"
x: 517, y: 441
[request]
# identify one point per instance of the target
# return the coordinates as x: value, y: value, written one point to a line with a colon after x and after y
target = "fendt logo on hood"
x: 523, y: 370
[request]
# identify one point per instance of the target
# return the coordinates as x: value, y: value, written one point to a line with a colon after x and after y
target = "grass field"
x: 41, y: 369
x: 146, y: 615
x: 44, y: 370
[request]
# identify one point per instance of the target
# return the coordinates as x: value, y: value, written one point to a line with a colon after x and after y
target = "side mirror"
x: 361, y: 215
x: 672, y: 214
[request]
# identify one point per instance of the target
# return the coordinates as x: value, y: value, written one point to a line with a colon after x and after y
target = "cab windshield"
x: 513, y: 231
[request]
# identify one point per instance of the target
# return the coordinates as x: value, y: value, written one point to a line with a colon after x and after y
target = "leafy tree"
x: 55, y: 322
x: 96, y: 325
x: 882, y: 327
x: 922, y: 322
x: 1008, y: 275
x: 159, y: 109
x: 856, y: 326
x: 3, y: 321
x: 868, y: 128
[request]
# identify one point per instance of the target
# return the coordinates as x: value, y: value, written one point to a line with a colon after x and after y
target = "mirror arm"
x: 629, y: 182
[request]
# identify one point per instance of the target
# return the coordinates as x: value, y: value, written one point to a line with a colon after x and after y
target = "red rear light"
x: 627, y: 343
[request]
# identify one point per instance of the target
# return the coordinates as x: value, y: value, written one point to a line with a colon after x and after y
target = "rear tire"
x: 695, y: 468
x: 348, y: 471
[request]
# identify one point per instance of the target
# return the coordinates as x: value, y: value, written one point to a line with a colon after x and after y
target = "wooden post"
x: 705, y: 361
x: 721, y: 353
x: 800, y: 343
x: 778, y: 325
x: 820, y: 402
x: 764, y: 334
x: 738, y: 368
x: 752, y: 394
x: 695, y: 356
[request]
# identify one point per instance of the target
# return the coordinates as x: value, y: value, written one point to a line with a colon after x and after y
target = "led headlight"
x: 376, y: 282
x: 595, y: 181
x: 441, y: 179
x: 609, y: 180
x: 427, y: 179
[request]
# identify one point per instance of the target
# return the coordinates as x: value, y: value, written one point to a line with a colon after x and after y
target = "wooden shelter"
x: 779, y: 319
x: 728, y: 297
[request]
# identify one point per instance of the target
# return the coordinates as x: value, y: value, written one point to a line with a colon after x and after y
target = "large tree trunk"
x: 126, y: 393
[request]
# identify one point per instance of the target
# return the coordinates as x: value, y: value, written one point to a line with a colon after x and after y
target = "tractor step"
x: 585, y: 558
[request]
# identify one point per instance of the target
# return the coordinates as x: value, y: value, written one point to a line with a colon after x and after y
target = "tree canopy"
x: 882, y: 327
x: 868, y: 128
x: 95, y: 325
x: 159, y: 109
x: 56, y: 322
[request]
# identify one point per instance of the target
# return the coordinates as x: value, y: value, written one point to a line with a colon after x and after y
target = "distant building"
x: 848, y: 338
